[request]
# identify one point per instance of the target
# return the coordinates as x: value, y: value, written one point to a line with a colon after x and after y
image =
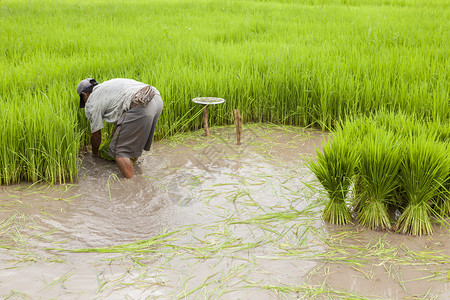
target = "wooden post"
x: 238, y: 122
x: 205, y: 120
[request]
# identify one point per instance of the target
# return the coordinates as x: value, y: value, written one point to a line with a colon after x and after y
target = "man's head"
x: 85, y: 88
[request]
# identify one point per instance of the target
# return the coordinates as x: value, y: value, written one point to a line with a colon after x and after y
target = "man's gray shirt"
x: 109, y: 100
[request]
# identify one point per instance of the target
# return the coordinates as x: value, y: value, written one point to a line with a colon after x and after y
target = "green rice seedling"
x: 442, y: 199
x: 148, y: 245
x: 354, y: 130
x: 443, y: 131
x: 103, y: 151
x: 334, y: 169
x: 378, y: 173
x: 399, y: 123
x: 424, y: 169
x: 107, y: 135
x: 59, y: 280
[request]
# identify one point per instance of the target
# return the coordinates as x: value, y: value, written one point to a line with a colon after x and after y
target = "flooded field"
x: 205, y: 218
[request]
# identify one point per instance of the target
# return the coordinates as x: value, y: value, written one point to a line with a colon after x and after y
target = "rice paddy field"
x: 305, y: 63
x: 363, y: 216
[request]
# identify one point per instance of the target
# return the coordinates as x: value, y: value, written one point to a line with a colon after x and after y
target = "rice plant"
x: 378, y: 170
x: 424, y: 169
x: 334, y: 169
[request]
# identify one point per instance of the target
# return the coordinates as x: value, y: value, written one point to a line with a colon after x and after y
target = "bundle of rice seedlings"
x: 442, y: 202
x: 103, y: 151
x: 378, y: 178
x: 355, y: 130
x: 334, y: 169
x: 107, y: 136
x: 424, y: 169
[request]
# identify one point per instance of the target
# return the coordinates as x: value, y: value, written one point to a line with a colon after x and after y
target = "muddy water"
x: 229, y: 211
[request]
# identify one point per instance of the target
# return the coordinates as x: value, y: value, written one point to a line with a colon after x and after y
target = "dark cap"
x: 84, y: 85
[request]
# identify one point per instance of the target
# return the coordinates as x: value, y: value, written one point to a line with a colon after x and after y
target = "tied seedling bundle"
x: 424, y: 169
x: 334, y: 169
x: 106, y: 141
x: 394, y: 164
x: 378, y: 178
x: 103, y: 151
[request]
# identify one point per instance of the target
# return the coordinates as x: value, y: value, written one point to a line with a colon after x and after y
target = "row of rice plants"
x: 305, y: 63
x: 38, y: 144
x: 384, y: 165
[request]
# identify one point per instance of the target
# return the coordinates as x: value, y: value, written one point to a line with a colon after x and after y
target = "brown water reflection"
x: 246, y: 226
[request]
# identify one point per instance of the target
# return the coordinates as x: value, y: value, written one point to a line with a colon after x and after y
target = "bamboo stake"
x: 205, y: 120
x: 238, y: 122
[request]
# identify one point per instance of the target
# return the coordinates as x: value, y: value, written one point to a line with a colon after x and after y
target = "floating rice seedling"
x: 59, y: 280
x: 312, y: 292
x: 148, y: 245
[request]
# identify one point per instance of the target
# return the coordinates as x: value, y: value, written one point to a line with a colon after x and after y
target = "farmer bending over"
x: 133, y: 107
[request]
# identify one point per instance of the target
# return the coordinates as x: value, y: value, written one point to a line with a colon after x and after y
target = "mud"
x: 243, y: 220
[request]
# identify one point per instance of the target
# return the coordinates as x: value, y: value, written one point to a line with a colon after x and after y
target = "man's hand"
x: 96, y: 139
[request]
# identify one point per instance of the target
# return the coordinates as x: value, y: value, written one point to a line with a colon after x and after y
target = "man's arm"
x: 96, y: 139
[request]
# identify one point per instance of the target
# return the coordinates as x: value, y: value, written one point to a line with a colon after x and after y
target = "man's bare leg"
x: 125, y: 166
